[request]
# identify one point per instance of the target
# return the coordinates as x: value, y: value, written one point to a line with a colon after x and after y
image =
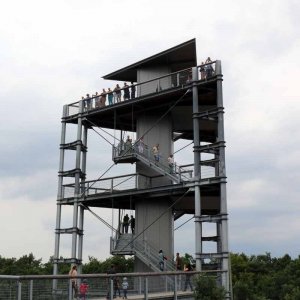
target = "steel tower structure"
x: 173, y: 99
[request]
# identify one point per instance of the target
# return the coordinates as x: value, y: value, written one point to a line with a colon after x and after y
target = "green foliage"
x: 29, y: 265
x: 263, y: 277
x: 260, y: 277
x: 206, y: 289
x: 95, y: 266
x: 25, y: 265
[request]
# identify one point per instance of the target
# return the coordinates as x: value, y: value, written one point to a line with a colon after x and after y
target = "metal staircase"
x: 148, y: 254
x: 176, y: 173
x: 122, y: 244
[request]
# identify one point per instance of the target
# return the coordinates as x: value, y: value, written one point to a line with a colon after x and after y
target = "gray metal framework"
x: 200, y: 106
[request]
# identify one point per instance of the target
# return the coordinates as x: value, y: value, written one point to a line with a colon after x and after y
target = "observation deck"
x: 161, y: 93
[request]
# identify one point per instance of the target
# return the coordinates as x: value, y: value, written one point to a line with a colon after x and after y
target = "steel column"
x: 197, y: 172
x: 223, y: 200
x: 59, y: 196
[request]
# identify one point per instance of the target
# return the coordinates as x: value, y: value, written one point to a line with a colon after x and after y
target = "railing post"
x: 146, y: 289
x: 70, y: 290
x: 112, y: 186
x: 19, y: 290
x: 31, y: 290
x: 140, y: 285
x: 175, y: 287
x: 111, y: 288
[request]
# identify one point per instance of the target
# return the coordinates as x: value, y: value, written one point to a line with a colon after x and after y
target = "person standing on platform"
x: 126, y: 91
x: 117, y: 90
x: 110, y: 96
x: 132, y: 224
x: 103, y: 98
x: 88, y: 102
x: 209, y: 68
x: 155, y: 150
x: 141, y: 145
x: 97, y: 100
x: 125, y: 223
x: 178, y: 262
x: 171, y: 163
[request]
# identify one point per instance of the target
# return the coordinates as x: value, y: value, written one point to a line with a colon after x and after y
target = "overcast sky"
x: 54, y: 52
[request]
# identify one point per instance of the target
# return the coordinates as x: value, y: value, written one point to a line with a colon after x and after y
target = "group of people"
x: 113, y: 96
x: 206, y: 69
x: 179, y: 266
x: 82, y: 290
x: 117, y: 284
x: 127, y: 222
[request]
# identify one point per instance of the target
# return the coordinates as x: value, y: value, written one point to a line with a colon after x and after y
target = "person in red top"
x: 83, y: 289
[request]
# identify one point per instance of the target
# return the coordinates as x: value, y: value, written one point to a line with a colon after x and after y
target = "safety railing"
x: 102, y: 286
x: 109, y: 185
x: 155, y: 86
x: 104, y: 185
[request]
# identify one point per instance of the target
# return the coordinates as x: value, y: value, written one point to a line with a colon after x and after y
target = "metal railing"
x: 155, y: 86
x: 101, y: 286
x: 104, y: 185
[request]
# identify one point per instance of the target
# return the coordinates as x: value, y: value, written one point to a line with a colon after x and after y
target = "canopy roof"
x: 179, y: 57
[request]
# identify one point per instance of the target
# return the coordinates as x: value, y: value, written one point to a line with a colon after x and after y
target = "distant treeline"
x: 254, y: 277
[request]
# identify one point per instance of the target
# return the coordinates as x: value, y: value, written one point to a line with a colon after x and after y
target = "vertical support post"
x: 81, y: 209
x: 222, y: 173
x: 197, y: 172
x: 77, y: 183
x: 19, y: 290
x: 59, y: 197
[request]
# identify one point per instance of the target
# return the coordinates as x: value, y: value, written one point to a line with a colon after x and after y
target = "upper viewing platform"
x: 157, y: 81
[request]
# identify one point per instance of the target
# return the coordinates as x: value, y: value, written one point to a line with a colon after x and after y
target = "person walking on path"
x: 83, y: 289
x: 125, y: 287
x: 188, y: 268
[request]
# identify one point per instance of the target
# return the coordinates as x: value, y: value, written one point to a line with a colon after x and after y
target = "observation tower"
x: 171, y: 99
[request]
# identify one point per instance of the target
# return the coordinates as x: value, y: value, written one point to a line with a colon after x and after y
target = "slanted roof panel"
x: 179, y: 57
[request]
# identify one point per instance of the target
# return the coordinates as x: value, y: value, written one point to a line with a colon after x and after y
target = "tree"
x: 206, y: 289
